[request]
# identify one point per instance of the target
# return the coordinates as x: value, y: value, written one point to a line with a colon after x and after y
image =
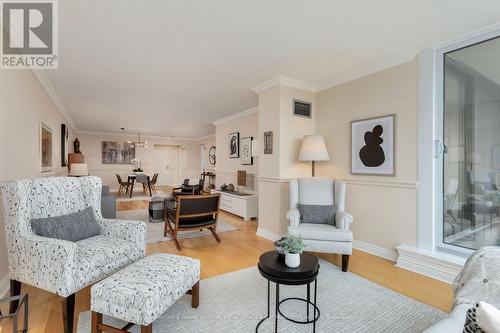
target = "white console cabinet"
x: 246, y: 206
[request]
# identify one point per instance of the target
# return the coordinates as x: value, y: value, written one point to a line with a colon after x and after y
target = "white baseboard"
x: 440, y: 267
x: 437, y: 266
x: 4, y: 286
x: 267, y: 235
x: 378, y: 251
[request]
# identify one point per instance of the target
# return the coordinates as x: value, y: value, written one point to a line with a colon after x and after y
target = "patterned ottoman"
x: 143, y: 291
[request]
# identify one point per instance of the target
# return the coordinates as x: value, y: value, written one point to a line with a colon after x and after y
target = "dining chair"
x: 192, y: 212
x: 154, y: 180
x: 123, y: 185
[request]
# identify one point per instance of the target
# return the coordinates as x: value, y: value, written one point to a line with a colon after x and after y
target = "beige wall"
x: 269, y: 120
x: 276, y: 114
x: 384, y: 208
x: 23, y: 105
x: 159, y: 154
x: 227, y: 167
x: 292, y: 131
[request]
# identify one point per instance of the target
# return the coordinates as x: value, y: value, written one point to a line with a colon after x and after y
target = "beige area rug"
x: 155, y: 230
x: 235, y: 302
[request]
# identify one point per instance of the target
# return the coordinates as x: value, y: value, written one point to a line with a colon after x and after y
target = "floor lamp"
x: 313, y: 149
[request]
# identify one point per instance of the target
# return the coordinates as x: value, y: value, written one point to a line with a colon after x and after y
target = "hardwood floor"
x: 238, y: 249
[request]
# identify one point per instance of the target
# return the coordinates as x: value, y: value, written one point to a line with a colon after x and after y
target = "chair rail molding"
x: 441, y: 267
x: 411, y: 185
x: 273, y: 179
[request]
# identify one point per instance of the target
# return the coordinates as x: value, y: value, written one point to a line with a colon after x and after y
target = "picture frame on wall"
x: 246, y: 151
x: 268, y: 142
x: 234, y: 145
x: 64, y: 145
x: 45, y: 142
x: 373, y: 146
x: 117, y: 152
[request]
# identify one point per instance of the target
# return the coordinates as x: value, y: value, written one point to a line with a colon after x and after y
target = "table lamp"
x: 313, y: 149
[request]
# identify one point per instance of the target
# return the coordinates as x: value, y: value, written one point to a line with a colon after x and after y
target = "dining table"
x: 132, y: 179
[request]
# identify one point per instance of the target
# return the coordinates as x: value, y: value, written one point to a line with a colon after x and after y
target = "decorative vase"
x: 292, y: 260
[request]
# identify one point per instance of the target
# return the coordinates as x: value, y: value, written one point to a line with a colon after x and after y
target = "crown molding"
x: 49, y: 89
x: 132, y: 135
x: 236, y: 116
x: 205, y: 137
x: 379, y: 66
x: 287, y: 82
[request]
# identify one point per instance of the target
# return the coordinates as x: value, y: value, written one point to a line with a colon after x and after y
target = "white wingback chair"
x: 325, y: 238
x: 58, y: 266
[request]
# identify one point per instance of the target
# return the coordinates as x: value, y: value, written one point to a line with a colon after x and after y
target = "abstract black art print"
x: 372, y: 146
x: 234, y: 145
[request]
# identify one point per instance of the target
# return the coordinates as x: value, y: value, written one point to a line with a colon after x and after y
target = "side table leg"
x: 277, y: 306
x: 315, y: 292
x: 268, y: 299
x: 308, y: 299
x: 268, y: 306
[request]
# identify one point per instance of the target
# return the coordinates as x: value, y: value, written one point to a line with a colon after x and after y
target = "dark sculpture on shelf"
x: 372, y: 154
x: 76, y: 146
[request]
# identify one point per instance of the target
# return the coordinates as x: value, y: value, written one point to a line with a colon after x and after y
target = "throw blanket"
x: 479, y: 280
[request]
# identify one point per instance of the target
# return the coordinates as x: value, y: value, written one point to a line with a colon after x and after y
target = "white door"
x: 166, y: 164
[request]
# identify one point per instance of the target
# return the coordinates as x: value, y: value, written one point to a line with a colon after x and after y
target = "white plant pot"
x: 292, y: 260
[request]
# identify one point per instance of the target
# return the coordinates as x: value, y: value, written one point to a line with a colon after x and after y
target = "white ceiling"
x: 171, y: 67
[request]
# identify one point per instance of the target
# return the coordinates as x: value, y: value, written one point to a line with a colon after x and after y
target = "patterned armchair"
x: 59, y: 266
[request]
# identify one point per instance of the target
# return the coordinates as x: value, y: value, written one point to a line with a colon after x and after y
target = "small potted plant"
x: 293, y: 247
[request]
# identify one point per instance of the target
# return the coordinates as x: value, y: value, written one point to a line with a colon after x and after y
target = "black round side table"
x: 273, y: 268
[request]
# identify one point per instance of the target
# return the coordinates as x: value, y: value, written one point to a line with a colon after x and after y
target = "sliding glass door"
x: 471, y: 135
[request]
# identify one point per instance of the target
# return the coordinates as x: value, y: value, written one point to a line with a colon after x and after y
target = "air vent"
x: 301, y: 109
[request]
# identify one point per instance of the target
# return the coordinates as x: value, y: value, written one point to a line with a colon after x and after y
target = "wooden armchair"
x: 192, y: 212
x: 188, y: 188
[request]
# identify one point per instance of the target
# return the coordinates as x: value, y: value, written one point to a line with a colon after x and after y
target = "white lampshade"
x: 79, y: 169
x: 313, y: 149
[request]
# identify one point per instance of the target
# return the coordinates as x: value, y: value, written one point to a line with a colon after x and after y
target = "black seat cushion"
x: 199, y: 221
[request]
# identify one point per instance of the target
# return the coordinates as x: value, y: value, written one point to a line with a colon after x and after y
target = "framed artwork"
x: 64, y: 145
x: 372, y: 146
x: 234, y: 145
x: 268, y: 142
x: 117, y: 152
x: 211, y: 155
x: 45, y: 148
x: 246, y: 151
x: 495, y: 156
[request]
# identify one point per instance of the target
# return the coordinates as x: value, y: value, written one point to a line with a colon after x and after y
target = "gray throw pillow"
x: 318, y: 214
x: 72, y: 227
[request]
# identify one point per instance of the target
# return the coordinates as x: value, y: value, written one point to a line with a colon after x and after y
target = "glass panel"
x: 471, y: 198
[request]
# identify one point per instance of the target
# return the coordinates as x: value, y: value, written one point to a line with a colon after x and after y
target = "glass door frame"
x: 430, y: 143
